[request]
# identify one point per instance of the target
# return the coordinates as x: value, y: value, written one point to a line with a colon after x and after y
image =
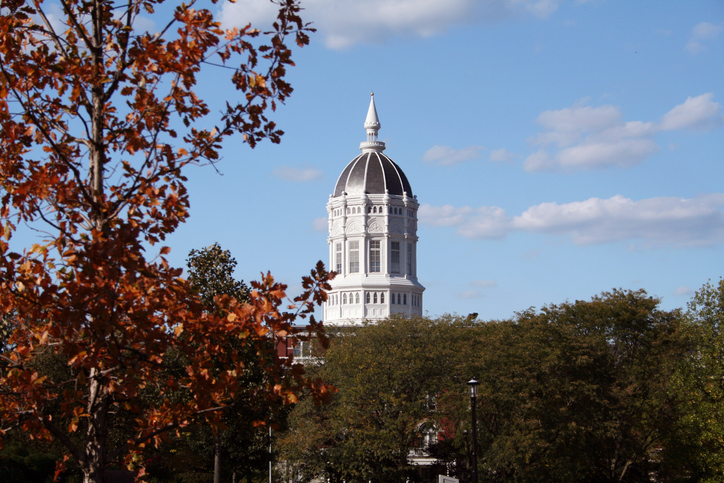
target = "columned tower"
x: 372, y: 238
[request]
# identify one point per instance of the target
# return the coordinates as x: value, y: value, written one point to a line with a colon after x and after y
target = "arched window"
x: 356, y: 298
x: 382, y: 298
x: 344, y: 298
x: 374, y: 298
x: 368, y: 297
x: 404, y: 299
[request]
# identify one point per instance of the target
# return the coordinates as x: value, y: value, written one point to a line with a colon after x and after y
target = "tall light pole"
x: 473, y: 387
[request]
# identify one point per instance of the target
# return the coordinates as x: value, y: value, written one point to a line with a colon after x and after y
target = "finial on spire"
x: 372, y: 125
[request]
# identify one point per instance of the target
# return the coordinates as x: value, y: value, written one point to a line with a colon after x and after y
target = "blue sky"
x: 558, y: 148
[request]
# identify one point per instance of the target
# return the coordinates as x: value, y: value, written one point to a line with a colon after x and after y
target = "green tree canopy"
x: 700, y: 385
x: 211, y: 273
x: 580, y: 391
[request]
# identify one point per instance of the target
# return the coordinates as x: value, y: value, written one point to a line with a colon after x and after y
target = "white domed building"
x: 372, y: 238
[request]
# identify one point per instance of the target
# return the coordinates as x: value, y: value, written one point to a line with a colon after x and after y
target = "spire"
x: 372, y: 125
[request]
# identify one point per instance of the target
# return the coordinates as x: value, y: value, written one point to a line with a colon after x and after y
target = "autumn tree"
x: 98, y: 121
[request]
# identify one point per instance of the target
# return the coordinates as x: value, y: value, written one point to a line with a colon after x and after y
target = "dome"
x: 372, y: 172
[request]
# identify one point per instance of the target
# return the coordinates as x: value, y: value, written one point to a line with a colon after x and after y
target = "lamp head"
x: 473, y: 387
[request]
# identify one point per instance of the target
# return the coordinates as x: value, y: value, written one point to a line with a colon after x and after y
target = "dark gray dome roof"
x: 372, y: 173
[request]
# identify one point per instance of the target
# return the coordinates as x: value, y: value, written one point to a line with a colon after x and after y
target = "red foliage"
x: 89, y: 121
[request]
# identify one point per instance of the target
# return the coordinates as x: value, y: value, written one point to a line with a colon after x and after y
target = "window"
x: 404, y: 299
x: 395, y: 257
x: 374, y: 298
x: 338, y: 257
x: 356, y: 298
x: 303, y: 348
x: 374, y: 255
x: 344, y: 298
x: 368, y: 297
x: 382, y: 298
x: 354, y: 257
x: 409, y: 258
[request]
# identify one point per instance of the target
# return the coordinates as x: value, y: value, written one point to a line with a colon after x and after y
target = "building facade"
x: 372, y: 238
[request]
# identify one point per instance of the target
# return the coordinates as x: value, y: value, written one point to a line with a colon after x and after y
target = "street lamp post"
x: 473, y: 387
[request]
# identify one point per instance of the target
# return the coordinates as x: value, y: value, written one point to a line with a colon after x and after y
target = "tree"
x: 97, y: 122
x: 580, y: 391
x: 700, y: 386
x: 243, y: 442
x: 211, y: 273
x: 388, y: 376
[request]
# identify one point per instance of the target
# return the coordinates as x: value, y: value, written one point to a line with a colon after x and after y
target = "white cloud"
x: 344, y: 23
x: 471, y: 294
x: 700, y: 34
x: 694, y: 47
x: 320, y: 224
x: 585, y: 137
x: 695, y: 113
x: 300, y: 175
x: 260, y: 13
x: 662, y: 221
x: 501, y: 156
x: 446, y: 156
x: 706, y: 30
x: 624, y: 152
x: 483, y: 222
x: 443, y: 215
x: 566, y: 126
x: 543, y: 8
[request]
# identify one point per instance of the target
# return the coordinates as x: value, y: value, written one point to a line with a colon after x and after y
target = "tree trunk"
x: 96, y: 436
x: 217, y: 457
